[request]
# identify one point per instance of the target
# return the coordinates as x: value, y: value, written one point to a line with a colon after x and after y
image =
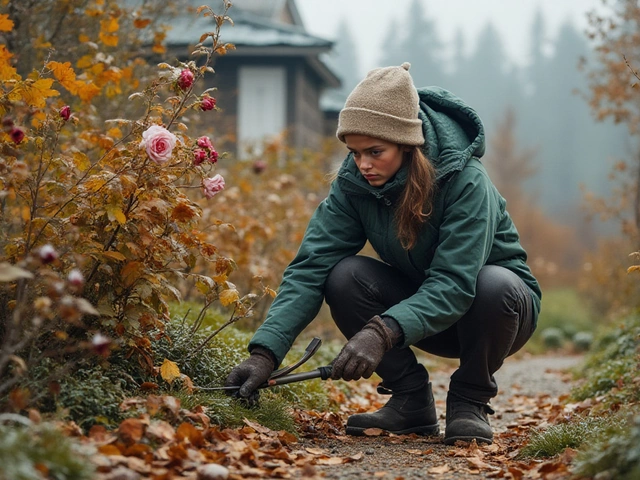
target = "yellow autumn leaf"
x: 82, y: 38
x: 81, y: 161
x: 272, y: 293
x: 86, y: 91
x: 114, y: 212
x: 7, y: 72
x: 6, y: 25
x: 110, y: 25
x: 169, y: 371
x: 64, y: 74
x: 109, y: 39
x: 227, y: 297
x: 633, y: 268
x: 35, y: 93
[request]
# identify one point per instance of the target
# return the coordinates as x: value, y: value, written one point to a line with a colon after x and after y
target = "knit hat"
x: 384, y: 105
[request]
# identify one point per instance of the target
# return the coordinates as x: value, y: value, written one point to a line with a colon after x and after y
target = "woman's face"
x: 377, y: 160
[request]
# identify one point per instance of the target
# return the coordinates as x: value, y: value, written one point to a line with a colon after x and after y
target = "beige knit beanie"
x: 384, y: 105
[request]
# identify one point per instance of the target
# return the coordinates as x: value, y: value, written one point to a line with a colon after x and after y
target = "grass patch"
x: 573, y: 434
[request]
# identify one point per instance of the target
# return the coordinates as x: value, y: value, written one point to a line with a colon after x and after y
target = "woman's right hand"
x: 252, y: 372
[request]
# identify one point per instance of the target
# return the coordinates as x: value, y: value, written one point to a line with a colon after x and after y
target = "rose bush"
x: 100, y: 225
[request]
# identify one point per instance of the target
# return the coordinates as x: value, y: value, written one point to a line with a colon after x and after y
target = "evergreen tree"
x: 344, y: 59
x: 487, y: 81
x: 416, y: 42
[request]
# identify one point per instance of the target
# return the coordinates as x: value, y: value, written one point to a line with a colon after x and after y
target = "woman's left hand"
x: 364, y: 351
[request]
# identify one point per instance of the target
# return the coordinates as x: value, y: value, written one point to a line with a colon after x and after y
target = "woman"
x: 453, y: 280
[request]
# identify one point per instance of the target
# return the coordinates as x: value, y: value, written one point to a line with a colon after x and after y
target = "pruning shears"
x: 283, y: 375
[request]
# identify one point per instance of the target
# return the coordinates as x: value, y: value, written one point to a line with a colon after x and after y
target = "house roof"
x: 259, y: 28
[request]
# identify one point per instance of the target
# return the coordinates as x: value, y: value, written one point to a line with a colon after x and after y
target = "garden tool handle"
x: 321, y: 372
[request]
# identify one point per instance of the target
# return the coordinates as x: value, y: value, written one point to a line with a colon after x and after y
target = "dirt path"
x: 529, y: 391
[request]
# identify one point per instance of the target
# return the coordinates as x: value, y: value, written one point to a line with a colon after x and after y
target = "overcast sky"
x: 512, y: 18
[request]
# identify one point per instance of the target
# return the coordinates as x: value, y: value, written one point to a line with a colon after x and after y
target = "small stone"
x: 212, y: 471
x: 123, y: 473
x: 370, y: 451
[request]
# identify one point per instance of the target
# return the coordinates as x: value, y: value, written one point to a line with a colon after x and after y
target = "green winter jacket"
x: 469, y: 228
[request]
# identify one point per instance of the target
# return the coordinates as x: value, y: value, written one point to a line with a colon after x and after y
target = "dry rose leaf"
x: 373, y: 432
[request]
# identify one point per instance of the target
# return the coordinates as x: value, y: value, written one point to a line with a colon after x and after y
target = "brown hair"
x: 416, y: 200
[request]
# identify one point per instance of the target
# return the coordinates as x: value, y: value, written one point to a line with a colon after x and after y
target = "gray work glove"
x: 364, y: 351
x: 252, y: 373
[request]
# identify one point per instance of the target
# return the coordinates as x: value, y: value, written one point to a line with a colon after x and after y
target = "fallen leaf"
x: 373, y: 432
x: 439, y: 470
x: 169, y: 371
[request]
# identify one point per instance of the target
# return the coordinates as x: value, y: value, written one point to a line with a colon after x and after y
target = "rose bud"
x: 213, y: 155
x: 17, y: 135
x: 205, y: 142
x: 185, y: 80
x: 199, y: 156
x: 207, y: 103
x: 65, y: 112
x: 75, y: 278
x: 48, y: 254
x: 259, y: 166
x: 101, y: 344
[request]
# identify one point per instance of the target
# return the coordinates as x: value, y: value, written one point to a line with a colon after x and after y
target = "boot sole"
x: 461, y: 438
x: 426, y: 430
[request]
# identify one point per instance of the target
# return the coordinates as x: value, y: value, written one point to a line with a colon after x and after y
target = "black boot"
x: 467, y: 420
x: 406, y: 412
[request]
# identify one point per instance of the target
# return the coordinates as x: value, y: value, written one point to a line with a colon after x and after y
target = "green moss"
x: 26, y: 450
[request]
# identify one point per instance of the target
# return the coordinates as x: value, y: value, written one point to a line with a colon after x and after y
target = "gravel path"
x: 523, y: 382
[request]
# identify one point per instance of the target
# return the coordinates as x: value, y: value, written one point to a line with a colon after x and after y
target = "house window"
x: 262, y: 106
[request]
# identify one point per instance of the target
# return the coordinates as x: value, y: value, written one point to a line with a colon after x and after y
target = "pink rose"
x: 205, y: 142
x: 158, y: 142
x: 17, y: 135
x: 207, y: 103
x: 65, y: 112
x: 199, y: 156
x: 213, y: 155
x: 212, y: 185
x: 185, y: 80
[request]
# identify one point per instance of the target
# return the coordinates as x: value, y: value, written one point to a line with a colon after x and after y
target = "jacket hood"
x: 453, y: 134
x: 453, y: 131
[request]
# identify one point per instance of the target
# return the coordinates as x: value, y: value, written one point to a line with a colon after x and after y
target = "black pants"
x: 498, y: 324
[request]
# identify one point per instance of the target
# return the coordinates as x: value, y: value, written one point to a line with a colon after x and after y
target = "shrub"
x: 610, y: 372
x: 616, y: 455
x: 552, y: 337
x: 582, y: 341
x: 100, y: 225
